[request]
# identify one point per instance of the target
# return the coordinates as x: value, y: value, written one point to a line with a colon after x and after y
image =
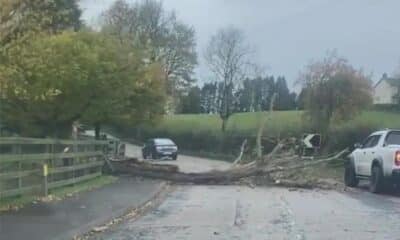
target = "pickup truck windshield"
x: 393, y: 138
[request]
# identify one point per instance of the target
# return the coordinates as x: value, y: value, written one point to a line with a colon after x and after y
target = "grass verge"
x: 14, y: 203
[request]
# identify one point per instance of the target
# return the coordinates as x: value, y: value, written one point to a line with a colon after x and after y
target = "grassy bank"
x: 239, y: 124
x: 201, y: 133
x: 58, y: 193
x: 282, y: 121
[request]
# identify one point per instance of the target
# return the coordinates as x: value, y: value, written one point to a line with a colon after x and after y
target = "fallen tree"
x: 280, y: 154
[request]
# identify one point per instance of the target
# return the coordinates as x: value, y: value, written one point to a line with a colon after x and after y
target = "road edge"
x: 131, y: 214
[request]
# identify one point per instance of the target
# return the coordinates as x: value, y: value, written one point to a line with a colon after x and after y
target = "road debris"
x: 274, y: 167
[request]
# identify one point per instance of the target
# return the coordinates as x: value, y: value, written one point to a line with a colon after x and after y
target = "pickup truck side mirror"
x: 357, y: 145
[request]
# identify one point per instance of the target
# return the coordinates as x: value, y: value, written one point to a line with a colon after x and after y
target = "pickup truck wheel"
x: 350, y: 178
x: 376, y: 183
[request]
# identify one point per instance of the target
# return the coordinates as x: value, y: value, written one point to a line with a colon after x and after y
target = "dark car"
x: 159, y: 148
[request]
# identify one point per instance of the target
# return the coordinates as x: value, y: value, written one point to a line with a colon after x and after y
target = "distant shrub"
x: 346, y: 136
x: 386, y: 107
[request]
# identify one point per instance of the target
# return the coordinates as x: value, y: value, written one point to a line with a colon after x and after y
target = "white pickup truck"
x: 376, y: 159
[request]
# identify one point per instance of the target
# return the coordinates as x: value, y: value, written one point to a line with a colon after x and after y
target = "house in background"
x: 386, y: 91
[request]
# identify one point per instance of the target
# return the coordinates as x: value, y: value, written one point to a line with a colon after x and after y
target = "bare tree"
x: 334, y: 90
x: 227, y: 56
x: 147, y: 25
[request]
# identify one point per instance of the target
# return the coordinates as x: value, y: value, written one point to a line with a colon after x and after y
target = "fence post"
x: 16, y: 149
x: 45, y: 182
x: 49, y: 148
x: 74, y: 159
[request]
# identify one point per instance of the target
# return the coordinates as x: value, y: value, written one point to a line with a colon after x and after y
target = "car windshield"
x: 393, y: 138
x: 163, y: 141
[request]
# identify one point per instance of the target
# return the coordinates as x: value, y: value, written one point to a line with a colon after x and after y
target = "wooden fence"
x: 30, y: 166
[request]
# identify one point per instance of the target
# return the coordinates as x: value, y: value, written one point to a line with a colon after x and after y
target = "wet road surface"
x: 77, y: 214
x: 185, y: 163
x: 238, y: 212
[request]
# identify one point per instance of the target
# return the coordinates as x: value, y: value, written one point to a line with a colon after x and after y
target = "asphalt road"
x: 239, y: 212
x: 77, y: 214
x: 185, y: 163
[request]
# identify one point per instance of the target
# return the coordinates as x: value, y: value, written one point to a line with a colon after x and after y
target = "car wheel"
x: 175, y: 157
x: 153, y: 156
x: 376, y: 183
x: 350, y: 178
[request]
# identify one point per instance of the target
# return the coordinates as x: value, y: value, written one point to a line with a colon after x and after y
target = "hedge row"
x: 228, y: 144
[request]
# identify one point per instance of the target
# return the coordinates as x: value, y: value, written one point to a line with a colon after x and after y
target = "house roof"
x: 389, y: 80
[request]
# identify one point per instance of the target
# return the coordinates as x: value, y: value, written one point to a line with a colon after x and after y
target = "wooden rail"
x: 34, y: 166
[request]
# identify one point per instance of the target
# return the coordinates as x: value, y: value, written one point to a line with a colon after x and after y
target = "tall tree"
x: 191, y: 102
x: 334, y: 91
x: 255, y: 94
x: 51, y: 81
x: 227, y: 56
x: 21, y: 17
x: 284, y: 100
x: 146, y: 24
x: 301, y: 99
x: 208, y: 98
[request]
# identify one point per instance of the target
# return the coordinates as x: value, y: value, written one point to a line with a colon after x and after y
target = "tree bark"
x: 239, y: 158
x: 223, y: 126
x: 260, y: 131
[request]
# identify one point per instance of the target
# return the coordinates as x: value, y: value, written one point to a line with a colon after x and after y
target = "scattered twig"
x: 239, y: 158
x: 262, y: 126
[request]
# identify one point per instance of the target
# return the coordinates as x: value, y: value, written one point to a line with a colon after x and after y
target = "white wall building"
x: 385, y: 91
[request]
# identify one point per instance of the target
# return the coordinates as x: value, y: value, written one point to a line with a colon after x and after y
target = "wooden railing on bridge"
x: 30, y: 166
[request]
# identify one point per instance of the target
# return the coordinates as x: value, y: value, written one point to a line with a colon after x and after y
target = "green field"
x: 278, y: 122
x: 201, y: 133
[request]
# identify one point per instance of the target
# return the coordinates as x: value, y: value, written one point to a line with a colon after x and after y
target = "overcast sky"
x: 289, y: 33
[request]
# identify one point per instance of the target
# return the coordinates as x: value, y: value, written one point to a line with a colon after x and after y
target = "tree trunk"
x: 263, y: 120
x: 172, y: 173
x: 97, y: 131
x: 223, y: 126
